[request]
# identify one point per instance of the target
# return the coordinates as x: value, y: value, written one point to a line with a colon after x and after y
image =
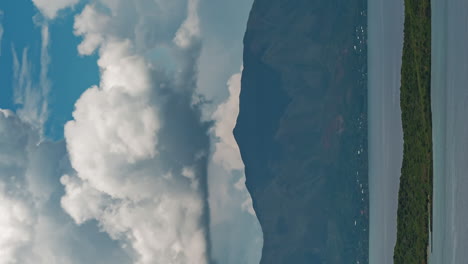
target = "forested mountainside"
x: 302, y: 129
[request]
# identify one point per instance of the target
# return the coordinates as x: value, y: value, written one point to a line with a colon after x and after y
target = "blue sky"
x: 66, y: 63
x: 23, y: 35
x: 21, y: 32
x: 116, y: 140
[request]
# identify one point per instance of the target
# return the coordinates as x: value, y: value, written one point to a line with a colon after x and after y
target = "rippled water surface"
x: 385, y: 43
x: 450, y: 126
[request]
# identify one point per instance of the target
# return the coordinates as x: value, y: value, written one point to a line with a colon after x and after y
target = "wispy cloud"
x: 44, y: 82
x: 29, y: 94
x: 1, y: 30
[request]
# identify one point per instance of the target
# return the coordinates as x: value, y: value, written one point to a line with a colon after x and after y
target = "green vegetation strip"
x: 415, y: 195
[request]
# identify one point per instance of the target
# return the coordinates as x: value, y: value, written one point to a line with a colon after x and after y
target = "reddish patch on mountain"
x: 332, y: 133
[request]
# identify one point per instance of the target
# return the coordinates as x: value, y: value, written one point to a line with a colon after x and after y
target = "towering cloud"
x: 136, y: 142
x: 137, y: 157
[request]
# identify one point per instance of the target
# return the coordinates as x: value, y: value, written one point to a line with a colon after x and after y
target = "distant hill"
x: 415, y: 193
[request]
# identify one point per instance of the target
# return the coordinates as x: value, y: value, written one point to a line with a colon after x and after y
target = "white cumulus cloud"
x: 190, y: 29
x: 16, y: 218
x: 18, y: 204
x: 236, y: 232
x: 149, y: 194
x: 33, y: 229
x: 226, y: 149
x: 15, y: 227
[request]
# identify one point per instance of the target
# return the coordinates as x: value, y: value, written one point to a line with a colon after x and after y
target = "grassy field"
x: 415, y: 195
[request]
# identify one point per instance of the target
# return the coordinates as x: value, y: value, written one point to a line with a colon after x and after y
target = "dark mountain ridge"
x: 302, y: 129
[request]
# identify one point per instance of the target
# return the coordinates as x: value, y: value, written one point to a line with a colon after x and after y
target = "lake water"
x: 450, y: 130
x: 385, y: 44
